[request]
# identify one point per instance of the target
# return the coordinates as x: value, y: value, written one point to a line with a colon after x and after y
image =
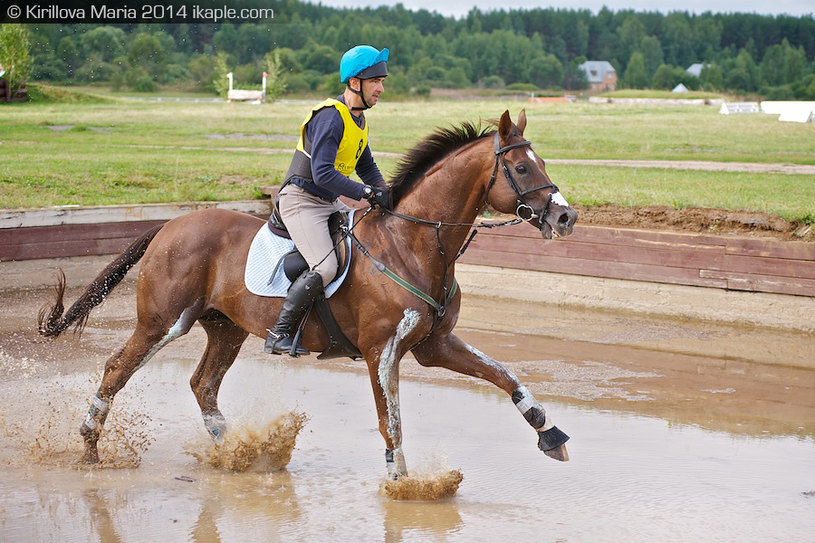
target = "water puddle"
x: 664, y: 446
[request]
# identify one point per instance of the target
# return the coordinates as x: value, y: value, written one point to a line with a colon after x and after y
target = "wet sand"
x: 665, y: 444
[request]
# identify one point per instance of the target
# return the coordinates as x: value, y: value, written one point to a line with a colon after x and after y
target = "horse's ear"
x: 521, y: 124
x: 504, y: 126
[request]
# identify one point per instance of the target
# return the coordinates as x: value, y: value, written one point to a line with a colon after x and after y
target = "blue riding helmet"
x: 364, y: 62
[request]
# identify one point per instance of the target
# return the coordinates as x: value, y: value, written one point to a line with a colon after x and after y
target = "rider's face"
x: 372, y: 88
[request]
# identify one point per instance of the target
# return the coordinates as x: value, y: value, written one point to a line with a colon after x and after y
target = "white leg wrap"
x: 97, y: 413
x: 395, y: 462
x: 527, y: 400
x: 524, y: 401
x: 89, y: 422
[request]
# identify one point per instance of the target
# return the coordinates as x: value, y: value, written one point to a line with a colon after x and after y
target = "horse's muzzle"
x: 559, y: 221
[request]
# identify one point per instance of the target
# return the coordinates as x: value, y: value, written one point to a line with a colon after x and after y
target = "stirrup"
x: 278, y: 344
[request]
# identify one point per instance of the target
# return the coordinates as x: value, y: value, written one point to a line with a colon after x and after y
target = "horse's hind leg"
x: 448, y: 351
x: 147, y: 339
x: 224, y: 340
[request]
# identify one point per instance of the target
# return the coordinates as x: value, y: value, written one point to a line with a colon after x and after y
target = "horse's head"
x: 520, y: 185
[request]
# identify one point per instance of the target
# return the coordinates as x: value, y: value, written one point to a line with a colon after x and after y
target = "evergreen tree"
x: 750, y: 52
x: 635, y: 76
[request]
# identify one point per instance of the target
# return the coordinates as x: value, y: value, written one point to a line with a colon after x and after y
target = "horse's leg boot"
x: 302, y: 293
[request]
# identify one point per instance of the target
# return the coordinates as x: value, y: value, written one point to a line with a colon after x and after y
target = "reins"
x: 448, y: 294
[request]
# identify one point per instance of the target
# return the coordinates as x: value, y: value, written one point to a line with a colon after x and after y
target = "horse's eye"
x: 520, y: 168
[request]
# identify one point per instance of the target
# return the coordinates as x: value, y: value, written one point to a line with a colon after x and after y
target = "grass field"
x: 136, y: 151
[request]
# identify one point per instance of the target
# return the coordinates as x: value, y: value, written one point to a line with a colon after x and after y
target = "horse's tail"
x: 51, y: 320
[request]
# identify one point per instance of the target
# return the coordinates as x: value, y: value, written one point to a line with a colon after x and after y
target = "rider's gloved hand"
x: 380, y: 196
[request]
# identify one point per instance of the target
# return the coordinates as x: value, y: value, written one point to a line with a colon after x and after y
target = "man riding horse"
x: 333, y: 144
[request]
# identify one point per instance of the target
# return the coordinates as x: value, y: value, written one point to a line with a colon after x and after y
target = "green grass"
x: 92, y: 149
x: 664, y: 94
x: 788, y: 196
x: 48, y: 93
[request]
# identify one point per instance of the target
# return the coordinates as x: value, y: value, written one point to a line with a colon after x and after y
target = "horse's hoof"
x: 552, y: 443
x: 89, y: 458
x: 558, y: 453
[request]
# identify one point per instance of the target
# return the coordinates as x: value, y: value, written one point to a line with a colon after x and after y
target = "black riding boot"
x: 305, y: 289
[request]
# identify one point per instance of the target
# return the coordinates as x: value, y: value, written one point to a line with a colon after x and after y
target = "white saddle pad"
x: 264, y: 255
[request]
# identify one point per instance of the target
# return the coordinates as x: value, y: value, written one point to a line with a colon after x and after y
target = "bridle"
x: 447, y: 292
x: 519, y: 194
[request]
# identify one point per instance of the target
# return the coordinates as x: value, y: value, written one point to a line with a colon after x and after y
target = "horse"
x: 192, y: 271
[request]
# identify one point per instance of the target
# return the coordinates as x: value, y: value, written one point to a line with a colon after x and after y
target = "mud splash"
x: 423, y: 487
x: 249, y: 449
x: 48, y: 433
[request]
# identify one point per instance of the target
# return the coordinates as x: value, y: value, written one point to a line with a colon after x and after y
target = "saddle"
x: 294, y: 265
x: 293, y: 262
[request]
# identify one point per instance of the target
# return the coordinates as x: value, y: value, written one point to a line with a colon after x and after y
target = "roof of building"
x: 596, y: 70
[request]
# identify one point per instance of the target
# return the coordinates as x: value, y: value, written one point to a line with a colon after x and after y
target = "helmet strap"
x: 362, y: 97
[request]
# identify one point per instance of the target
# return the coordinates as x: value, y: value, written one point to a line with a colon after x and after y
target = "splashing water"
x: 423, y: 487
x: 48, y: 435
x: 257, y: 450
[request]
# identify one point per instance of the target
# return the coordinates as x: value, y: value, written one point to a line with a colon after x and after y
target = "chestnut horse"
x: 193, y: 271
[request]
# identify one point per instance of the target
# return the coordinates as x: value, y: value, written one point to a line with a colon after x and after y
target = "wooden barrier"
x: 735, y: 263
x: 84, y: 231
x: 70, y: 239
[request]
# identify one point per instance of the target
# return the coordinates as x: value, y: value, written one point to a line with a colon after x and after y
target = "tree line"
x: 518, y: 49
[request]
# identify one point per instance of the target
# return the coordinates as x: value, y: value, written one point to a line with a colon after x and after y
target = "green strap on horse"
x: 441, y: 308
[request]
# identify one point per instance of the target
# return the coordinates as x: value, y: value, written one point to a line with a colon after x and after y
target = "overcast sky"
x: 459, y: 8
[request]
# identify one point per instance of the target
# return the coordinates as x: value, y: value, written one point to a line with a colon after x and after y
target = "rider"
x: 333, y: 143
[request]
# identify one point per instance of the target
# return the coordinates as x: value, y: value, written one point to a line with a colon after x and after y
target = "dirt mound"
x: 695, y: 220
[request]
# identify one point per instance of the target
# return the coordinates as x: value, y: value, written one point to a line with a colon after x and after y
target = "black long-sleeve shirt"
x: 325, y: 131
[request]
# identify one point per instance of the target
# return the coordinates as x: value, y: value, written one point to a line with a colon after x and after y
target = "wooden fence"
x: 85, y: 231
x: 735, y: 263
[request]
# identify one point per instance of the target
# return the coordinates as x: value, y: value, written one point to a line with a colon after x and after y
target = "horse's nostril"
x: 563, y: 219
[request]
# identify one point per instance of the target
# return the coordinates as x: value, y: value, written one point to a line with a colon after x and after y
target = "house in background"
x: 600, y: 74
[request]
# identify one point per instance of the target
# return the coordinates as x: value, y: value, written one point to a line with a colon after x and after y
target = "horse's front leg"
x: 383, y: 369
x: 448, y: 351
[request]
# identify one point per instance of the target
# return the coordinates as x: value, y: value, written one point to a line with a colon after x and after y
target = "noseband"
x: 448, y: 292
x: 522, y: 207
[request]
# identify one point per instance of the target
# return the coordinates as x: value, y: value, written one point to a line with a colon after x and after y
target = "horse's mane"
x: 418, y: 160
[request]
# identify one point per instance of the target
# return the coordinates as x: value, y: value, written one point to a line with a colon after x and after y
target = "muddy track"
x: 701, y: 220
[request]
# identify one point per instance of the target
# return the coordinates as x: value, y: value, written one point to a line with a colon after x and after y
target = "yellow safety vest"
x: 354, y: 139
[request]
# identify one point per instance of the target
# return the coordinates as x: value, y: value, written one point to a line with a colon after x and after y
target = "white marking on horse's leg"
x: 488, y: 361
x: 215, y: 423
x: 181, y: 327
x: 389, y: 381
